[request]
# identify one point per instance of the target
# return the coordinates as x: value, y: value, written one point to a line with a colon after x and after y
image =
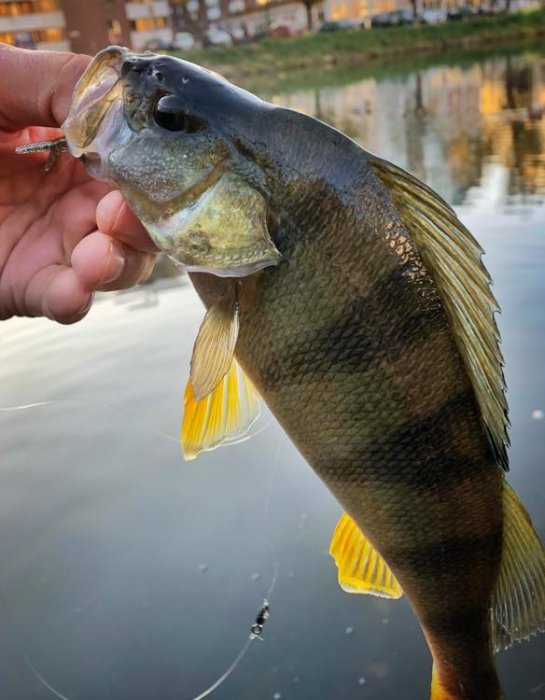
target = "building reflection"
x: 446, y: 124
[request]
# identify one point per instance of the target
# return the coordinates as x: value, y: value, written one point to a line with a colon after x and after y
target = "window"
x: 146, y: 24
x: 12, y: 9
x: 32, y: 39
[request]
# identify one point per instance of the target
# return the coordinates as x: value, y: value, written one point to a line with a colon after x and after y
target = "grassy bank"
x: 354, y: 48
x: 383, y: 67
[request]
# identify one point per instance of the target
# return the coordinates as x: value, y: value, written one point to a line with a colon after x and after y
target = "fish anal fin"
x: 224, y: 414
x: 361, y: 568
x: 518, y: 601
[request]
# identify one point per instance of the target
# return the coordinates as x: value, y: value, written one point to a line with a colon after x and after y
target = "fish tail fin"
x: 518, y: 600
x: 444, y: 686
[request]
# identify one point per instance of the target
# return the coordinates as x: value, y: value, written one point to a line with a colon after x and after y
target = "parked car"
x: 238, y: 35
x: 184, y: 41
x: 156, y: 45
x: 217, y: 37
x: 433, y: 16
x: 406, y: 16
x: 381, y: 20
x: 341, y: 25
x: 458, y: 13
x: 393, y: 19
x: 282, y: 30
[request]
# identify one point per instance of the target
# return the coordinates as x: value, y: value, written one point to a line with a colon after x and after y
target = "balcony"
x: 139, y: 10
x: 139, y: 40
x: 29, y: 22
x: 63, y: 45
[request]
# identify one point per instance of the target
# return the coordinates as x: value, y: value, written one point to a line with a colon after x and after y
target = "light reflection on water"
x: 127, y: 573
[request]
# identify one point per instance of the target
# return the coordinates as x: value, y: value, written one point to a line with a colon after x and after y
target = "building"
x: 85, y: 26
x: 242, y: 17
x: 140, y: 24
x: 34, y: 24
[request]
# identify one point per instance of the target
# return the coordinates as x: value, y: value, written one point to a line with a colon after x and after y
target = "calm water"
x: 129, y: 574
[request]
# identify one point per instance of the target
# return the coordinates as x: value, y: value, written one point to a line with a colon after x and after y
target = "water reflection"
x: 128, y: 574
x: 446, y: 124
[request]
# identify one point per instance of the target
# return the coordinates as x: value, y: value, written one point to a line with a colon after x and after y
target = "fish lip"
x: 90, y: 103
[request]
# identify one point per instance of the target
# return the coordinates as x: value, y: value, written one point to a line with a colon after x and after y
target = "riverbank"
x: 279, y: 57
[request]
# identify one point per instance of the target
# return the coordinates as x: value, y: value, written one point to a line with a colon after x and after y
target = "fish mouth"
x: 98, y: 96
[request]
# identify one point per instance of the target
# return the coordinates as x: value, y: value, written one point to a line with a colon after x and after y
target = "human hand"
x: 63, y: 235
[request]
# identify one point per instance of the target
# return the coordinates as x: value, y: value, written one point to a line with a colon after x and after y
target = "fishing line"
x: 227, y: 673
x: 90, y: 402
x: 22, y: 651
x: 52, y: 402
x: 135, y: 419
x: 272, y: 586
x: 242, y: 652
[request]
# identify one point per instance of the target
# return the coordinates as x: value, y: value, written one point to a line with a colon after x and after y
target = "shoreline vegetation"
x: 278, y: 59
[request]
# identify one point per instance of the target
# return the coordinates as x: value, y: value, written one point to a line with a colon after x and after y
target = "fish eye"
x: 169, y: 114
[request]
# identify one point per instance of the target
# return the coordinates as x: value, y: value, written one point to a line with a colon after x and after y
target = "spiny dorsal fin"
x: 361, y: 568
x: 225, y: 414
x: 453, y: 258
x: 215, y: 345
x: 518, y: 601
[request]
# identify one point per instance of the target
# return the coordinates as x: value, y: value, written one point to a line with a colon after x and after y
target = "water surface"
x: 127, y: 573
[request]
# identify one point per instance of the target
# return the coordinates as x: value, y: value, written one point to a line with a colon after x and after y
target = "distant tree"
x: 184, y: 20
x: 309, y: 4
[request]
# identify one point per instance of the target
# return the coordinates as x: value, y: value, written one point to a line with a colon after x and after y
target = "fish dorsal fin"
x: 518, y: 601
x: 453, y: 258
x: 225, y: 414
x: 215, y: 345
x: 361, y: 567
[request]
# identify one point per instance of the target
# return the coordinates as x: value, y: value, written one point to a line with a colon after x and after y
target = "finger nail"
x: 116, y: 263
x: 85, y: 308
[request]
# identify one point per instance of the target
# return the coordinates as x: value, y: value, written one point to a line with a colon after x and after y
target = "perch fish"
x: 349, y: 296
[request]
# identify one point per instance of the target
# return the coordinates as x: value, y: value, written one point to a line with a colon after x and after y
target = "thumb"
x: 37, y: 86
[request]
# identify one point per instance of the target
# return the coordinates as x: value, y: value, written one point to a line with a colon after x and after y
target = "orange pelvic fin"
x: 224, y: 415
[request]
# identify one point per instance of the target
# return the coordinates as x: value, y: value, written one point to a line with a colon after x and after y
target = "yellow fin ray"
x: 225, y: 414
x: 453, y: 258
x: 361, y: 567
x: 518, y: 601
x: 215, y: 345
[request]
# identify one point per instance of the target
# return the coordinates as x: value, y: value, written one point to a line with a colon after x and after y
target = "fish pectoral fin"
x: 518, y: 600
x: 215, y: 345
x: 361, y: 567
x: 224, y: 414
x: 453, y: 258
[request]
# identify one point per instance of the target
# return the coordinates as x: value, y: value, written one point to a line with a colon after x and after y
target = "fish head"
x: 167, y: 134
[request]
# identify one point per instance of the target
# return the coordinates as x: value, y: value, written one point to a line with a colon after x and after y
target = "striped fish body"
x: 356, y: 301
x: 351, y: 348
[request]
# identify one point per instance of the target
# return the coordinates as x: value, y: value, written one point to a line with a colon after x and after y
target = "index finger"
x: 116, y: 219
x: 37, y: 86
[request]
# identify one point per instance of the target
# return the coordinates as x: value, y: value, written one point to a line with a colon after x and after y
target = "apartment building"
x: 249, y: 17
x: 33, y: 24
x: 85, y: 25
